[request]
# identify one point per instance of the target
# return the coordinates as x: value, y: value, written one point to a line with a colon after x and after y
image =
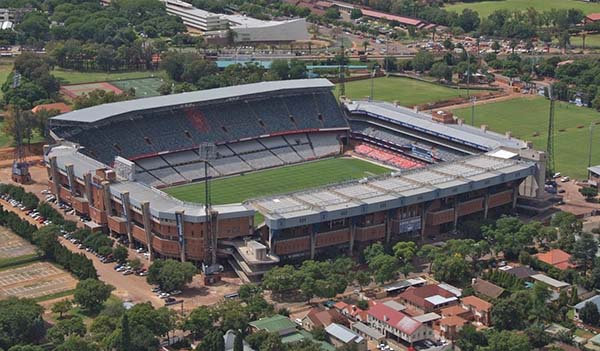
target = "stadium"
x: 258, y: 173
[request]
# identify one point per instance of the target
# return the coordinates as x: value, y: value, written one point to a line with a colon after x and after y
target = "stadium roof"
x: 389, y: 191
x: 463, y: 134
x: 101, y: 112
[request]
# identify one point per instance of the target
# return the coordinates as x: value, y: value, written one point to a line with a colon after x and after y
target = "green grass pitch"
x: 279, y: 180
x: 526, y: 116
x: 485, y: 8
x: 144, y: 87
x: 408, y: 92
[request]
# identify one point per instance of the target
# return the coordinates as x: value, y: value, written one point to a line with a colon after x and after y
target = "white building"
x: 246, y: 29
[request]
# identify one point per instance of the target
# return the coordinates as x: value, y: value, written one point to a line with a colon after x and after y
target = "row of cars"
x: 126, y: 269
x: 167, y: 296
x: 31, y: 213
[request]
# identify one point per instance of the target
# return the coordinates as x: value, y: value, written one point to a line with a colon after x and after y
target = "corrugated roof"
x: 100, y: 112
x: 386, y: 16
x: 399, y: 320
x: 342, y: 333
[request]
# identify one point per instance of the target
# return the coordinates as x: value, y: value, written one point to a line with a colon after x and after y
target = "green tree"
x: 20, y: 322
x: 77, y: 343
x: 589, y: 192
x: 589, y: 314
x: 356, y: 13
x: 62, y: 307
x: 384, y: 267
x: 422, y: 61
x: 120, y: 254
x: 91, y: 294
x: 212, y: 342
x: 506, y: 340
x: 441, y: 70
x: 584, y: 250
x: 125, y: 341
x: 405, y: 251
x: 171, y: 275
x: 238, y: 342
x: 65, y: 328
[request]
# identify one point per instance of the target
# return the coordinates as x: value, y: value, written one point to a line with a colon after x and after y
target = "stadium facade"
x: 109, y: 162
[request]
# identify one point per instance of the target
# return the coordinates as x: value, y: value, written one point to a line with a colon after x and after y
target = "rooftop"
x: 486, y: 288
x: 595, y: 169
x: 522, y: 272
x: 557, y: 284
x: 366, y: 330
x: 274, y: 324
x: 394, y: 318
x: 465, y: 134
x: 595, y: 300
x: 477, y: 303
x: 343, y: 334
x: 104, y: 111
x: 557, y: 258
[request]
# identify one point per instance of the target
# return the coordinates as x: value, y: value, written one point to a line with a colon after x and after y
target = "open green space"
x: 486, y: 7
x: 279, y: 180
x: 591, y: 41
x: 145, y: 87
x: 527, y: 119
x: 408, y: 92
x: 5, y: 69
x: 11, y: 262
x: 6, y: 141
x: 77, y: 77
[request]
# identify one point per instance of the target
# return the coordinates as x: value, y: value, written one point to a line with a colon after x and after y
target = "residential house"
x: 556, y: 258
x: 321, y: 318
x: 340, y: 336
x: 555, y: 285
x: 397, y: 325
x: 486, y: 289
x: 430, y: 298
x: 352, y: 312
x: 592, y: 18
x: 367, y: 332
x: 229, y: 338
x: 480, y: 309
x: 595, y: 300
x: 286, y: 329
x: 450, y: 326
x: 522, y: 272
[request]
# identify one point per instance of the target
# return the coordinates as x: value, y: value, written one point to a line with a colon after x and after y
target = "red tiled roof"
x: 325, y: 4
x: 453, y: 321
x: 394, y: 318
x: 323, y: 318
x: 417, y: 296
x: 453, y: 311
x: 593, y: 16
x: 477, y: 303
x: 60, y: 106
x: 400, y: 19
x: 557, y: 258
x: 340, y: 305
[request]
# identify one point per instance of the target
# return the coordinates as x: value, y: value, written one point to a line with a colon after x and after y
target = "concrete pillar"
x: 486, y: 204
x: 146, y: 217
x: 515, y: 195
x: 180, y: 234
x: 70, y: 178
x: 456, y: 204
x: 352, y: 235
x: 424, y: 210
x: 107, y: 198
x: 127, y: 213
x: 87, y: 180
x: 388, y: 226
x: 54, y: 174
x: 313, y: 241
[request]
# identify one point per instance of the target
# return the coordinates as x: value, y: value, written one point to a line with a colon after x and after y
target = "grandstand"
x: 109, y: 162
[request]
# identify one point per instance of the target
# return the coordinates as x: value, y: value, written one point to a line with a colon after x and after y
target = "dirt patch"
x: 34, y: 280
x: 12, y: 245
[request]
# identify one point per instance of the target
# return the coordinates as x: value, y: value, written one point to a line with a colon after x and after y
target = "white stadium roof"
x: 101, y: 112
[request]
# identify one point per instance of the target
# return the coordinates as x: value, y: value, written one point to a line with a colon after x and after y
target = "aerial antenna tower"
x: 551, y: 165
x: 20, y: 168
x: 342, y: 79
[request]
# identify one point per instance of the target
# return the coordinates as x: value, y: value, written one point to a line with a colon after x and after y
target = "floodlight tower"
x: 551, y: 165
x: 208, y: 152
x: 342, y: 80
x: 20, y: 168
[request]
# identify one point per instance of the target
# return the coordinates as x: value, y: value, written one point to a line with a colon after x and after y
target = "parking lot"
x: 34, y: 280
x: 12, y: 245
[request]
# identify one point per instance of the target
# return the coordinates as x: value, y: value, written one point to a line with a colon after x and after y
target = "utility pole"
x: 550, y: 142
x: 342, y: 70
x: 473, y: 99
x: 592, y: 125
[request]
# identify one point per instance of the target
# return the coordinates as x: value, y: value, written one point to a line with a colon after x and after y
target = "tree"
x: 212, y: 342
x: 496, y: 46
x: 589, y: 314
x: 280, y: 68
x: 506, y: 340
x: 422, y: 61
x: 238, y: 342
x: 171, y: 275
x: 20, y: 322
x: 363, y: 305
x: 384, y: 267
x: 91, y: 294
x: 589, y: 192
x: 77, y: 343
x: 280, y: 279
x: 200, y: 321
x: 66, y: 328
x: 62, y: 307
x: 441, y: 71
x: 405, y: 251
x: 120, y: 254
x: 356, y: 13
x: 468, y: 20
x: 451, y: 269
x: 362, y: 278
x: 506, y: 315
x: 584, y: 250
x: 125, y: 341
x: 469, y: 339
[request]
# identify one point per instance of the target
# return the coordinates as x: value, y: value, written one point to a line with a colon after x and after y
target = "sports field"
x: 408, y: 92
x: 77, y: 77
x: 486, y: 7
x: 144, y: 87
x: 528, y: 116
x: 279, y: 180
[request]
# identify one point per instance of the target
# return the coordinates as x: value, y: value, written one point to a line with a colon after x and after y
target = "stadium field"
x: 279, y: 180
x: 527, y: 119
x: 485, y: 8
x: 408, y: 92
x: 144, y: 87
x: 78, y: 77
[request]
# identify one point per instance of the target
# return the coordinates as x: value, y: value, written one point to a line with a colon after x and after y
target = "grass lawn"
x: 486, y: 7
x: 278, y: 180
x: 591, y: 41
x: 526, y: 116
x: 5, y: 69
x: 17, y: 261
x: 77, y: 77
x: 408, y: 92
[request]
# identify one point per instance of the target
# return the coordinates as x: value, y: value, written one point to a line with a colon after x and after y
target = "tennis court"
x: 75, y: 90
x: 144, y: 87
